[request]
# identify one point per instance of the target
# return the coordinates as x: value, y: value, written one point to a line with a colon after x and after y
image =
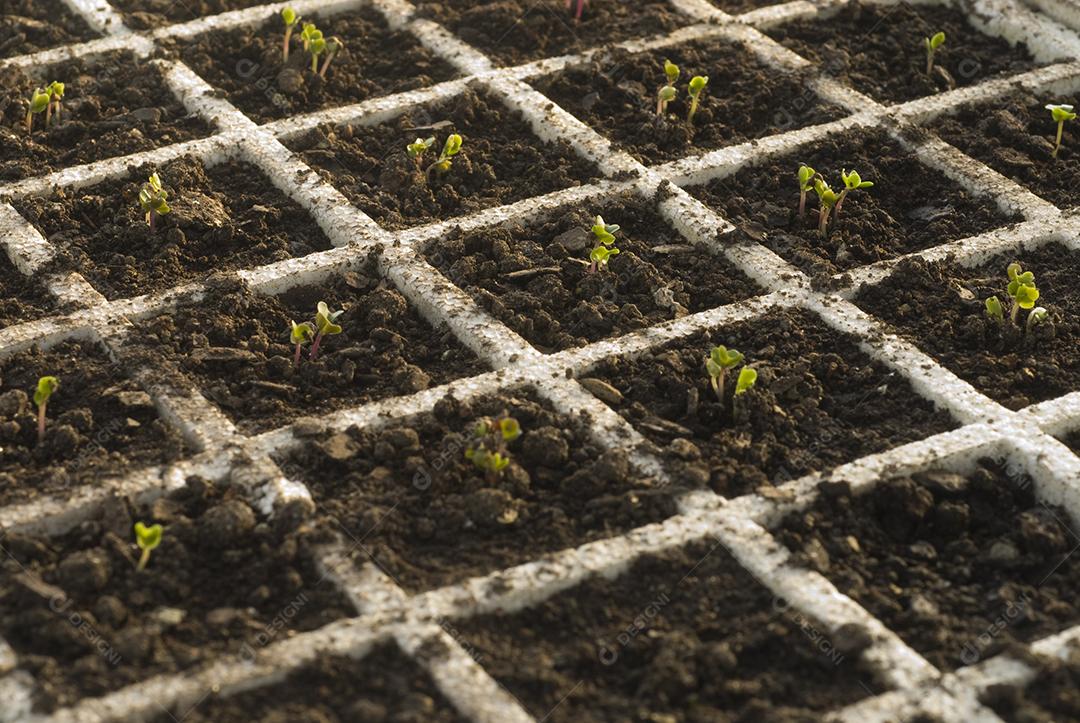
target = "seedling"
x: 55, y: 90
x: 827, y: 199
x: 45, y: 388
x: 39, y: 101
x: 932, y: 44
x: 695, y: 89
x: 333, y: 46
x: 720, y: 360
x: 301, y: 334
x: 154, y: 200
x: 324, y: 324
x: 667, y: 93
x: 491, y: 438
x: 852, y: 182
x: 1061, y: 113
x: 806, y: 182
x: 605, y: 244
x: 289, y: 16
x: 994, y: 310
x: 418, y: 148
x: 147, y: 538
x: 1024, y: 294
x: 745, y: 382
x: 1037, y: 316
x: 450, y: 149
x: 316, y: 46
x: 577, y: 7
x: 308, y: 32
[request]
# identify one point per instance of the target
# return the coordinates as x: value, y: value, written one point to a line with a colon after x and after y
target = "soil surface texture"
x: 429, y: 517
x: 894, y: 217
x: 942, y: 558
x: 818, y: 402
x: 615, y: 92
x: 223, y: 218
x: 29, y: 26
x: 1051, y: 696
x: 941, y: 308
x: 22, y: 298
x: 146, y: 14
x: 501, y: 161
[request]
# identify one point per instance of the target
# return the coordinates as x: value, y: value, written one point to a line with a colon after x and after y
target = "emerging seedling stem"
x: 577, y: 7
x: 491, y: 438
x: 1024, y: 294
x: 605, y: 244
x: 301, y: 334
x: 827, y: 198
x: 450, y: 149
x: 418, y: 148
x: 667, y: 93
x: 45, y: 388
x: 932, y: 44
x: 695, y: 89
x: 1061, y: 113
x: 852, y: 182
x: 291, y: 19
x: 154, y: 200
x: 39, y: 101
x: 147, y: 538
x: 324, y: 324
x: 720, y: 360
x: 333, y: 47
x: 806, y: 182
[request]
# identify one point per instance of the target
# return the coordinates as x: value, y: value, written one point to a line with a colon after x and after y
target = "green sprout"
x: 418, y: 148
x: 490, y: 441
x: 316, y: 46
x: 827, y: 198
x: 154, y: 200
x: 932, y: 44
x: 308, y: 32
x: 1024, y: 294
x: 1036, y: 316
x: 806, y: 182
x: 147, y: 538
x: 301, y: 334
x: 39, y: 101
x: 852, y: 182
x: 450, y: 149
x: 605, y: 240
x: 333, y: 46
x: 994, y: 310
x: 1060, y: 113
x: 45, y: 388
x: 324, y: 324
x: 745, y: 382
x: 695, y: 89
x: 291, y: 19
x: 720, y: 360
x: 55, y: 90
x: 667, y: 93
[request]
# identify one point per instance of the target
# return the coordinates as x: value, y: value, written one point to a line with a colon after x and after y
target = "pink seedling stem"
x: 578, y: 7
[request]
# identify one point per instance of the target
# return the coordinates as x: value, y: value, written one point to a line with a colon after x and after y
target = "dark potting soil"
x: 737, y: 7
x: 615, y: 93
x: 501, y: 161
x: 1016, y: 138
x: 99, y: 425
x: 819, y: 402
x: 429, y: 517
x: 113, y: 106
x: 22, y: 298
x: 688, y: 635
x: 246, y: 63
x: 951, y: 323
x: 27, y: 26
x: 517, y: 31
x: 656, y: 276
x: 235, y: 346
x: 146, y: 14
x: 224, y: 581
x: 223, y: 218
x: 383, y: 686
x: 959, y: 566
x: 1051, y: 696
x: 895, y: 217
x: 880, y: 50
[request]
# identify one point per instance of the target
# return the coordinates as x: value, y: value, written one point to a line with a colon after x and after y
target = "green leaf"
x: 1062, y: 112
x: 55, y: 90
x: 1026, y: 296
x: 725, y: 358
x: 301, y: 333
x: 747, y: 379
x: 806, y: 174
x: 671, y: 71
x: 936, y: 41
x: 697, y: 84
x: 39, y: 101
x: 667, y: 94
x: 148, y: 538
x: 289, y: 16
x: 452, y: 146
x: 994, y: 309
x: 510, y: 429
x: 420, y: 146
x: 324, y: 319
x: 45, y: 388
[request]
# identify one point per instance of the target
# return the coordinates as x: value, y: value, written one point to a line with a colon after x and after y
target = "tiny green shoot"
x: 154, y: 200
x: 1036, y: 316
x: 299, y: 335
x: 1060, y: 113
x: 491, y: 438
x: 695, y: 89
x: 667, y: 93
x: 45, y: 388
x: 720, y: 360
x: 994, y: 309
x: 39, y: 101
x: 1024, y: 294
x: 333, y: 46
x: 418, y: 148
x: 745, y: 382
x: 806, y: 182
x: 932, y: 44
x: 605, y: 244
x: 147, y: 538
x: 450, y: 149
x: 324, y: 324
x: 827, y: 198
x: 55, y: 90
x: 289, y: 16
x: 852, y: 182
x: 316, y: 46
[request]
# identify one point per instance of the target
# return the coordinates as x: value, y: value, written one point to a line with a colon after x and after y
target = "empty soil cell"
x: 501, y: 161
x: 113, y: 106
x: 146, y: 14
x: 893, y: 218
x: 235, y: 346
x: 1051, y: 696
x: 687, y: 635
x: 1016, y: 138
x: 534, y: 277
x: 100, y: 426
x: 22, y: 298
x: 246, y: 63
x: 516, y: 31
x: 407, y: 498
x: 384, y: 685
x: 615, y: 92
x: 954, y: 328
x: 819, y: 402
x: 224, y: 581
x: 223, y: 218
x: 958, y: 565
x: 880, y: 50
x: 28, y: 26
